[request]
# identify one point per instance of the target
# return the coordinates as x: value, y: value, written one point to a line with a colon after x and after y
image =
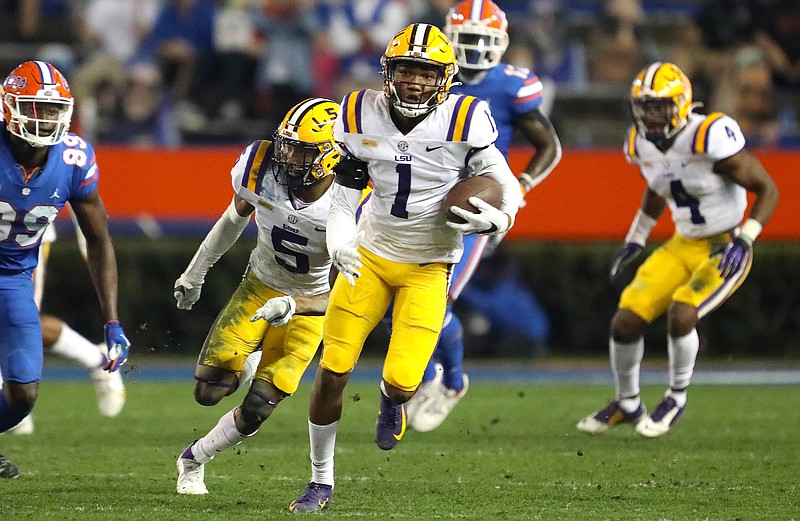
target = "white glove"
x: 186, y: 293
x: 347, y: 260
x: 277, y: 311
x: 489, y: 220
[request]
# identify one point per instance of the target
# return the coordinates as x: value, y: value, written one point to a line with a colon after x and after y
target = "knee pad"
x: 257, y: 407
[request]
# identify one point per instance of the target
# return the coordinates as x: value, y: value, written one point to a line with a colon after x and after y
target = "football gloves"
x: 117, y: 344
x: 186, y: 293
x: 277, y: 311
x: 734, y: 256
x: 347, y: 260
x: 488, y: 221
x: 622, y: 258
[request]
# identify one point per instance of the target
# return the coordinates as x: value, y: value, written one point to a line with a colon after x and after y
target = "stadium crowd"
x: 187, y: 72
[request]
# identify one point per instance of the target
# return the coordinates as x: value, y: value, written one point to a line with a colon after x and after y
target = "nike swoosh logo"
x: 431, y: 149
x: 318, y: 229
x: 402, y: 428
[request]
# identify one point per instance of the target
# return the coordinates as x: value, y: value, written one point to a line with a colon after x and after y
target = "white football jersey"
x: 702, y: 202
x: 290, y: 254
x: 412, y: 173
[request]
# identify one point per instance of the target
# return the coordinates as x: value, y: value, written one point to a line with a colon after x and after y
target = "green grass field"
x: 509, y: 451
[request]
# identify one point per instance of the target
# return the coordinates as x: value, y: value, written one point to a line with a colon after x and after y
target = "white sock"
x: 682, y: 355
x: 249, y: 368
x: 223, y: 436
x: 626, y: 361
x: 323, y: 443
x: 73, y: 345
x: 678, y: 396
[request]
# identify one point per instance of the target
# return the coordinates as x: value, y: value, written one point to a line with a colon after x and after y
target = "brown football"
x: 481, y: 186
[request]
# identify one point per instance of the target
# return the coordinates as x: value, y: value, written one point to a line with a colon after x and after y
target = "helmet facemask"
x: 420, y: 72
x: 39, y: 120
x: 297, y: 164
x: 477, y: 47
x: 656, y: 118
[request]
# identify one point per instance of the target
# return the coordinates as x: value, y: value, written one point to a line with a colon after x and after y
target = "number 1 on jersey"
x: 403, y: 189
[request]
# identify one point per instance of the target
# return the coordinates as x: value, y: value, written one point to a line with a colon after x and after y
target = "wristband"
x: 750, y: 230
x: 640, y: 229
x: 526, y: 181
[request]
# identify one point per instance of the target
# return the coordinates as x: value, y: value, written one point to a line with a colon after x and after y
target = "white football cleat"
x: 661, y: 421
x: 191, y: 476
x: 109, y: 388
x: 425, y: 392
x: 610, y: 416
x: 26, y: 426
x: 436, y: 409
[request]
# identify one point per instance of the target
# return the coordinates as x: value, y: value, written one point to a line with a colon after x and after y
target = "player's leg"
x: 419, y: 309
x: 433, y: 401
x: 27, y: 425
x: 232, y: 338
x: 20, y: 355
x: 643, y: 300
x: 699, y: 296
x: 62, y: 340
x: 353, y: 311
x: 442, y: 398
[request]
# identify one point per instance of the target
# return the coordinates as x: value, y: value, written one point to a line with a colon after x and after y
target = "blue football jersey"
x: 510, y: 92
x: 26, y: 209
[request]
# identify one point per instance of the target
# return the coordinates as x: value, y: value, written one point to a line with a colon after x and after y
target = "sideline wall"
x: 591, y: 195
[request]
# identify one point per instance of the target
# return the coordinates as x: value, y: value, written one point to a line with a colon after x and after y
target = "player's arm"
x: 351, y: 178
x: 102, y: 263
x: 279, y: 310
x: 485, y: 159
x: 489, y: 161
x: 537, y: 130
x: 746, y: 170
x: 646, y: 217
x: 93, y: 223
x: 223, y: 235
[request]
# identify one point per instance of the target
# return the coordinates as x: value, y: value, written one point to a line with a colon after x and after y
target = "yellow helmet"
x: 305, y: 151
x: 419, y: 44
x: 661, y: 100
